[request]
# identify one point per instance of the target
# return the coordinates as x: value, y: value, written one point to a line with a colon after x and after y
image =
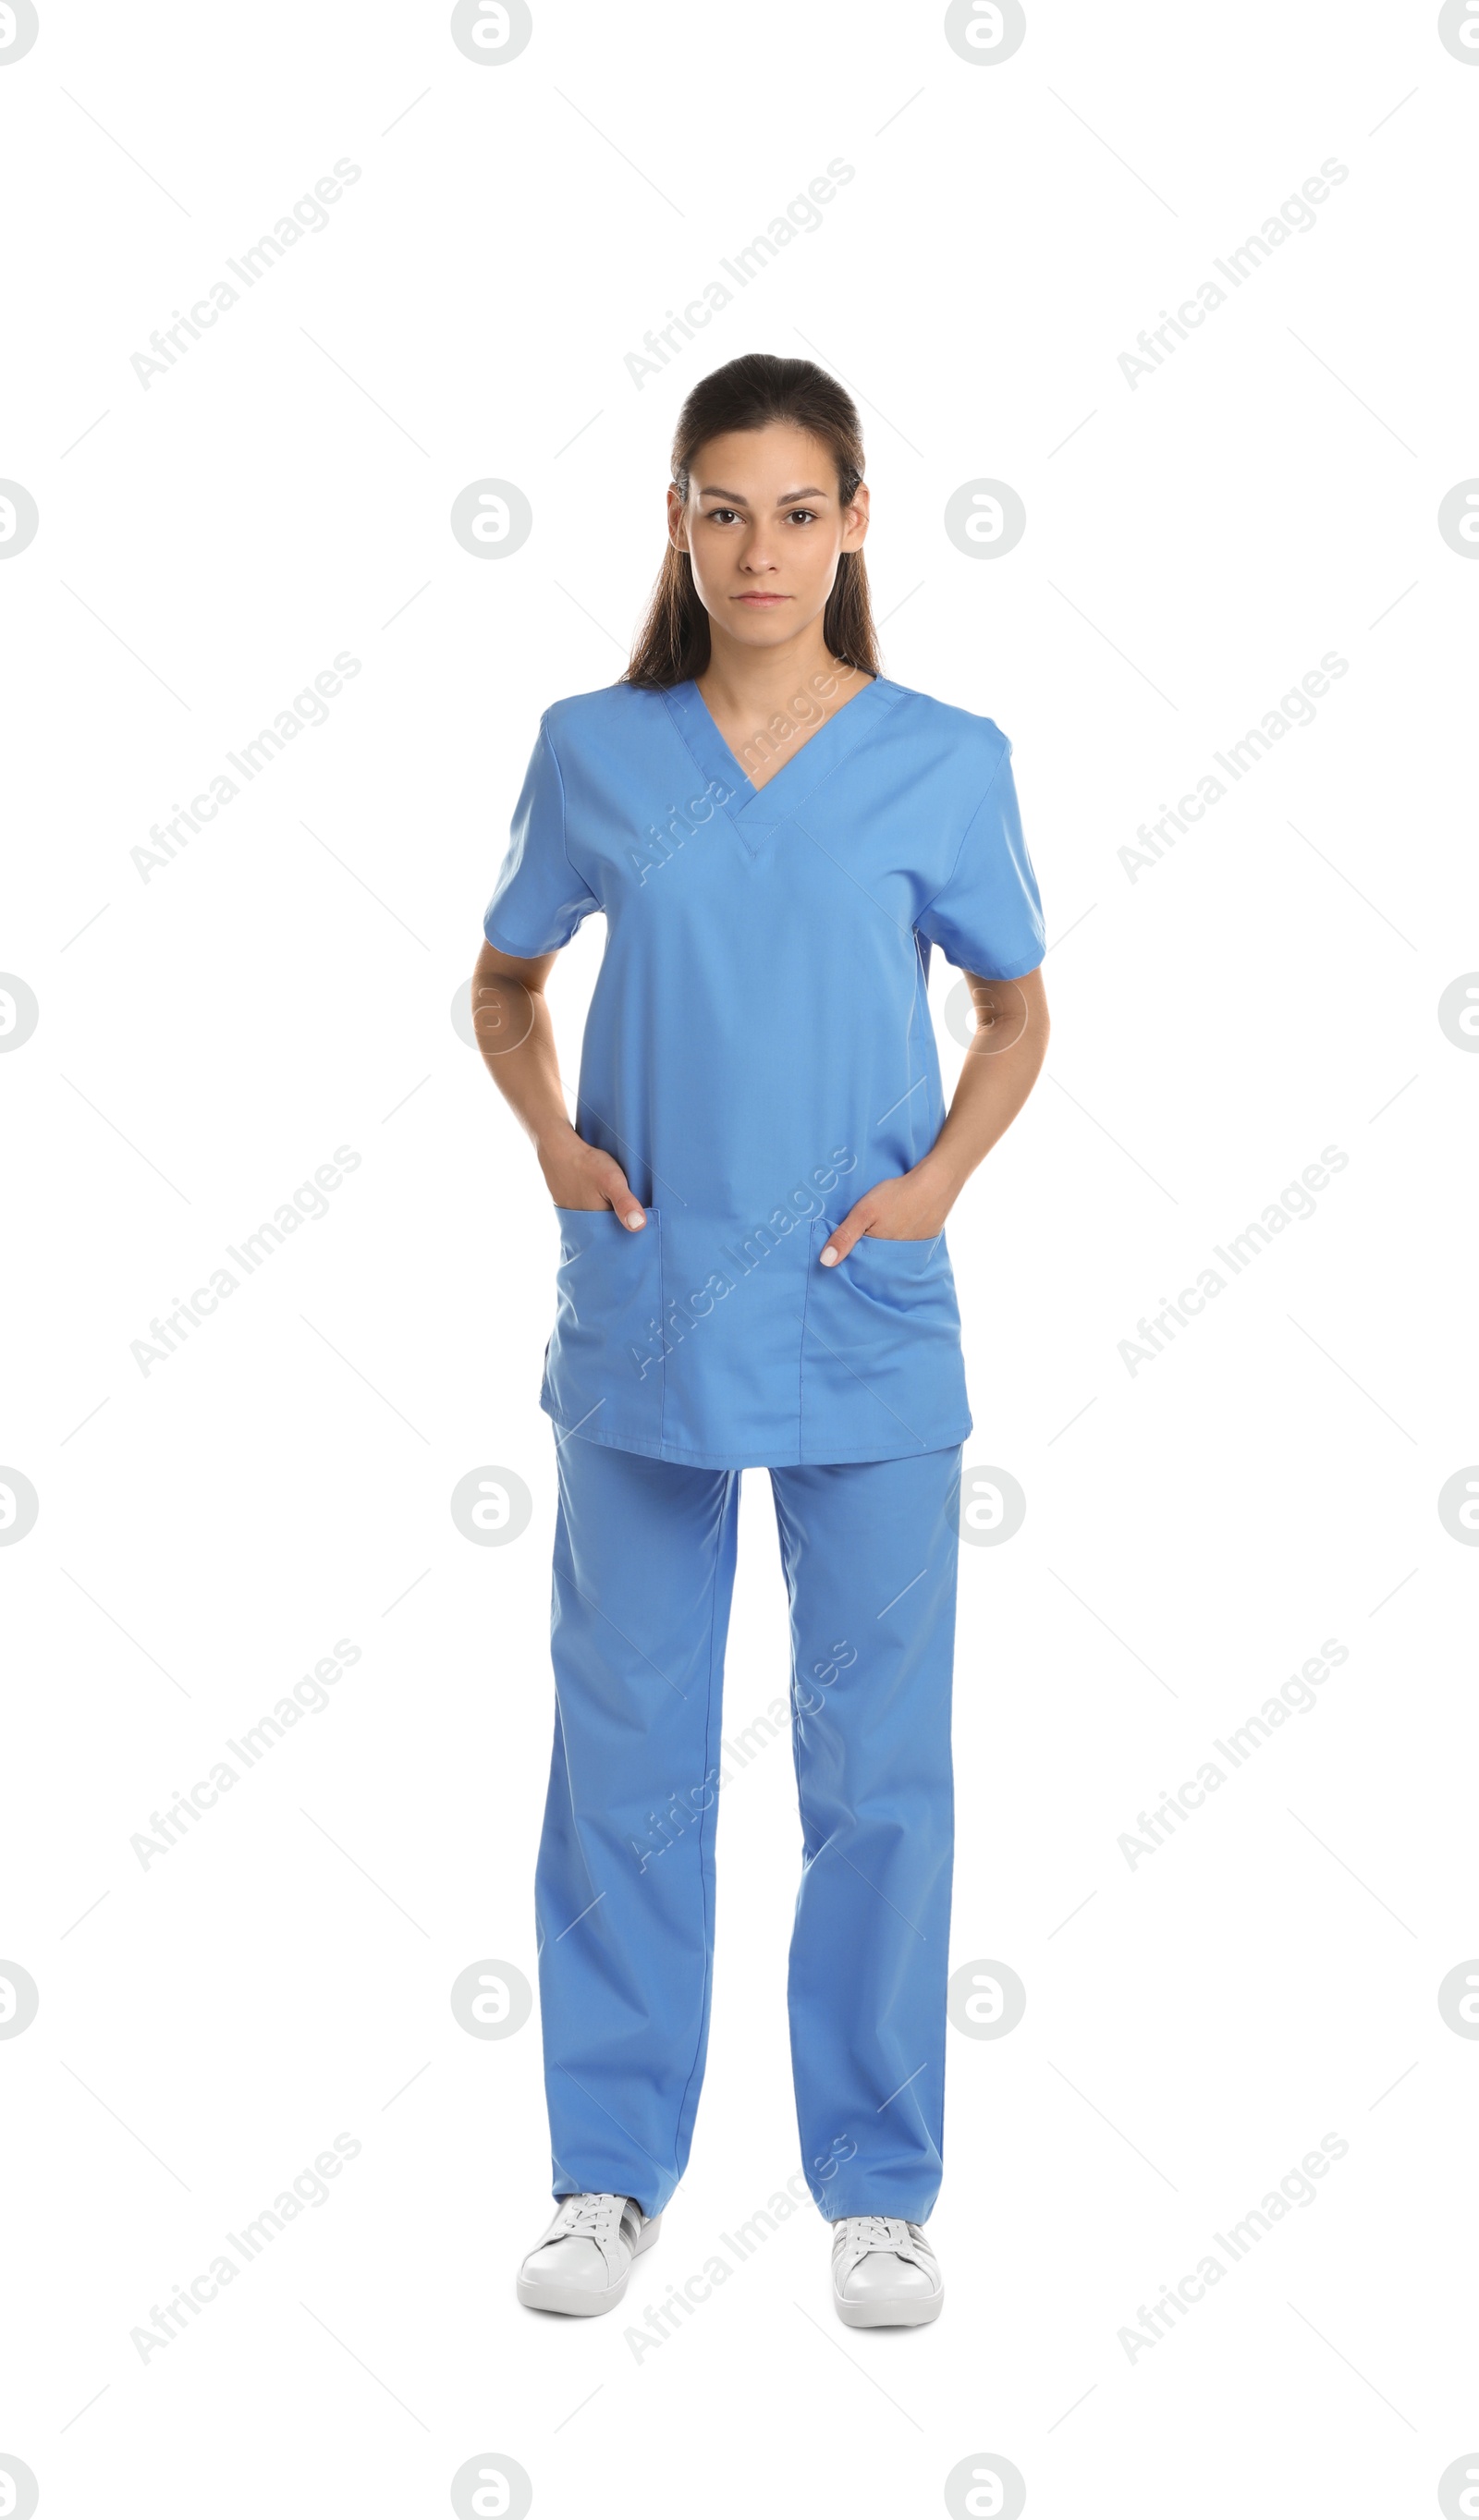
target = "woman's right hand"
x: 511, y: 1023
x: 580, y: 1176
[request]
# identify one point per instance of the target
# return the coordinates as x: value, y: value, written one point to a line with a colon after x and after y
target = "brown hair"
x: 673, y: 644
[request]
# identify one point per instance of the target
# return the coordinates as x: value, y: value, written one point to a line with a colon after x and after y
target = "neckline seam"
x: 744, y: 798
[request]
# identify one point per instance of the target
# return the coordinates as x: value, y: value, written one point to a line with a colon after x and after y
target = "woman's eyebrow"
x: 712, y: 490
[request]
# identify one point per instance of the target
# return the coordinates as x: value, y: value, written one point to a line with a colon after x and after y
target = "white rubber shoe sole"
x: 902, y: 2310
x: 578, y: 2301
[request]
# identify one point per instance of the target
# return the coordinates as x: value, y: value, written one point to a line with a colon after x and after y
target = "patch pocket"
x: 603, y: 1373
x: 882, y: 1348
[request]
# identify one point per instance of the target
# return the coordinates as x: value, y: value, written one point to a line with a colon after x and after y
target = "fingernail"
x: 828, y: 1258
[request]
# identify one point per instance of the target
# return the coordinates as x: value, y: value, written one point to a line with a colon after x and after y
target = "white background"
x: 1194, y: 1530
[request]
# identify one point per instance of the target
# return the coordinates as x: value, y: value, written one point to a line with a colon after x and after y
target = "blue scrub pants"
x: 625, y: 1887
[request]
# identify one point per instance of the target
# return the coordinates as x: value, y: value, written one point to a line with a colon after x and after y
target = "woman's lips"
x: 758, y: 600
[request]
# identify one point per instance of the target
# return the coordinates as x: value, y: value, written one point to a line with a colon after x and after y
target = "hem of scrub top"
x: 503, y: 944
x: 752, y: 1461
x: 976, y: 971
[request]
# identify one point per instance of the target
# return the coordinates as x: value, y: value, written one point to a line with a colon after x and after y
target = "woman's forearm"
x: 998, y: 1073
x: 514, y: 1032
x: 511, y: 1022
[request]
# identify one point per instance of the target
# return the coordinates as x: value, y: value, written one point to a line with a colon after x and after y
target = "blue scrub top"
x: 758, y: 1053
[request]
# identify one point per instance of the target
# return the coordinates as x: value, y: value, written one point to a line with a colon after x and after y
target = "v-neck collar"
x: 752, y: 808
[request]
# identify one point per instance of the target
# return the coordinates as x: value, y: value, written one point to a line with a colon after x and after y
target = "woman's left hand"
x: 997, y: 1075
x: 911, y: 1207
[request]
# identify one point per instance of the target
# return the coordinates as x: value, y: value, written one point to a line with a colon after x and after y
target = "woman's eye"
x: 793, y: 516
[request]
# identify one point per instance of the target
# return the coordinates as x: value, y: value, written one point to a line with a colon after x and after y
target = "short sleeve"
x: 987, y: 916
x: 539, y: 900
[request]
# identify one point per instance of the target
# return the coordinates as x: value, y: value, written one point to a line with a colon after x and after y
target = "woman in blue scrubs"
x: 751, y: 1201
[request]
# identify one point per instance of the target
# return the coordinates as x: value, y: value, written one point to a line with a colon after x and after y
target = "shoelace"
x: 594, y: 2217
x: 875, y: 2231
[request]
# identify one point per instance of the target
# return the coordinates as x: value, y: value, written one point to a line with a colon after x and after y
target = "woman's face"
x: 763, y: 529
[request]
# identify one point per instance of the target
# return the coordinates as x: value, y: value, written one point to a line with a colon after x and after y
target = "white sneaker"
x: 884, y: 2274
x: 582, y: 2263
